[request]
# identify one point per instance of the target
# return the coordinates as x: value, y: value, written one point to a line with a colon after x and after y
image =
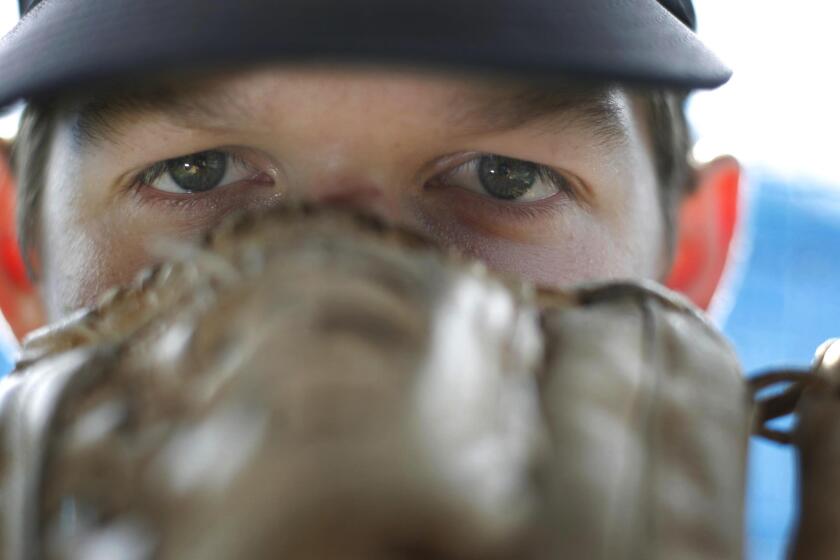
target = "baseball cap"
x: 62, y: 44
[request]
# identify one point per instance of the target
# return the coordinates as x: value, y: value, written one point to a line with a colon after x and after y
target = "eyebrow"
x: 550, y: 109
x: 101, y: 118
x: 553, y: 110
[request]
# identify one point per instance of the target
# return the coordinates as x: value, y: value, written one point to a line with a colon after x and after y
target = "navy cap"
x: 682, y: 10
x: 61, y: 44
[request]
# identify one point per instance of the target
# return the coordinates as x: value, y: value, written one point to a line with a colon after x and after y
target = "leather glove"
x: 814, y: 397
x: 311, y: 384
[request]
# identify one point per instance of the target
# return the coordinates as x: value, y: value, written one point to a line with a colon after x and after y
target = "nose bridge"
x: 349, y: 140
x: 349, y: 154
x: 352, y: 168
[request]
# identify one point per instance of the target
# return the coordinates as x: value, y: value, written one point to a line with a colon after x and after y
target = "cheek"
x: 620, y: 238
x: 83, y: 257
x: 572, y: 247
x: 587, y: 253
x: 639, y: 225
x: 86, y: 246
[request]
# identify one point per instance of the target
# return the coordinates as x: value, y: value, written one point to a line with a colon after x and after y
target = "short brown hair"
x: 29, y: 158
x: 665, y: 111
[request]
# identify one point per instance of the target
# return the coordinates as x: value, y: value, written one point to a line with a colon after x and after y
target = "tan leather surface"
x: 817, y: 439
x: 648, y: 416
x: 315, y: 386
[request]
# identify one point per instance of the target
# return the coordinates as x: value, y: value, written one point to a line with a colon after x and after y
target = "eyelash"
x: 562, y: 183
x: 545, y: 173
x: 508, y: 209
x: 154, y: 172
x: 525, y: 211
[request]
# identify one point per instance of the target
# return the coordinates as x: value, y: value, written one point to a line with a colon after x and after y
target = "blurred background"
x: 779, y: 117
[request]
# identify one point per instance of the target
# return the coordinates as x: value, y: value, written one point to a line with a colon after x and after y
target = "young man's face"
x: 557, y: 188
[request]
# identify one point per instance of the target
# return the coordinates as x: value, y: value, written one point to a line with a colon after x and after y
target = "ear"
x: 20, y: 303
x: 707, y: 222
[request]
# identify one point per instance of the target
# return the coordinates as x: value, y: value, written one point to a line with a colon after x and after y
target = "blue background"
x: 785, y: 304
x: 5, y: 360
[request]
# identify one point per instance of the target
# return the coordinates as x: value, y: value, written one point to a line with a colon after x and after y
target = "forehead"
x: 240, y: 100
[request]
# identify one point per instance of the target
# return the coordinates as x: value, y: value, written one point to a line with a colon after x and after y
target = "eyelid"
x: 565, y: 183
x: 238, y: 156
x: 150, y: 174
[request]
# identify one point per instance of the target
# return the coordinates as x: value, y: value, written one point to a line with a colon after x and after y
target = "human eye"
x: 507, y: 179
x: 200, y: 172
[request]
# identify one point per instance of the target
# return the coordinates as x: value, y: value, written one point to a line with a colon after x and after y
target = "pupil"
x: 198, y: 172
x: 506, y: 178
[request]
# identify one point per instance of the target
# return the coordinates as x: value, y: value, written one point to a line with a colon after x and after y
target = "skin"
x: 383, y: 141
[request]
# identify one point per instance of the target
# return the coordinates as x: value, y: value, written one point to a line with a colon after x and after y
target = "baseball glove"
x: 311, y: 384
x: 814, y: 397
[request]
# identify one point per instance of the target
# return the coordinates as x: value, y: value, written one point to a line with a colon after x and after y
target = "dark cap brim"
x: 65, y: 44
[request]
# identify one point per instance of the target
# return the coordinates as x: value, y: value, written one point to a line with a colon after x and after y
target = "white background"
x: 780, y: 111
